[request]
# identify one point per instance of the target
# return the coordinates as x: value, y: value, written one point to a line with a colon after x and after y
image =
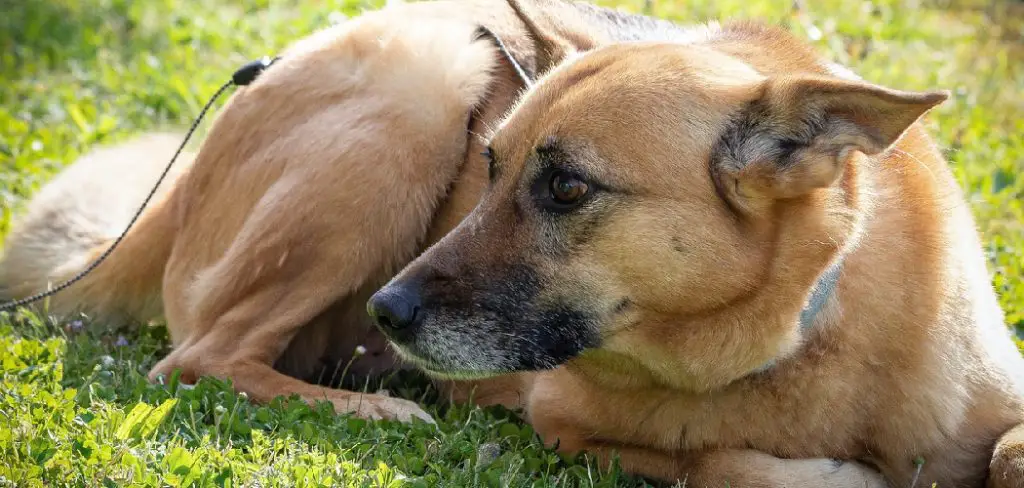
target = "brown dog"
x: 317, y: 183
x: 655, y: 217
x: 721, y: 251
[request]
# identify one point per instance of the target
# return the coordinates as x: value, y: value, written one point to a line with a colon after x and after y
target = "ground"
x: 75, y: 408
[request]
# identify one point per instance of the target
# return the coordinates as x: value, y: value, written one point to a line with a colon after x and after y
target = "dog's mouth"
x: 474, y: 349
x: 440, y: 371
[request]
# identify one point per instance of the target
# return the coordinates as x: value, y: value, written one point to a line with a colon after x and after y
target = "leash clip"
x: 251, y: 70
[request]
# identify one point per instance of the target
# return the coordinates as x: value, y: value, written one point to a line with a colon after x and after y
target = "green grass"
x: 75, y: 408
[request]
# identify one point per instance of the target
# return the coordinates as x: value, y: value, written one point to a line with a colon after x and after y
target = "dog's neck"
x: 617, y: 368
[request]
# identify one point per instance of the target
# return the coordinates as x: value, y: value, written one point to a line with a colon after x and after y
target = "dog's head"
x: 637, y: 194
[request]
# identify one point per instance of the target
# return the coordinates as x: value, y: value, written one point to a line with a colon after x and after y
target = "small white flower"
x: 360, y: 350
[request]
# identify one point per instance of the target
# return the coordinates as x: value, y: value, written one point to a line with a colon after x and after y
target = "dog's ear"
x: 550, y: 45
x: 802, y: 130
x: 485, y: 33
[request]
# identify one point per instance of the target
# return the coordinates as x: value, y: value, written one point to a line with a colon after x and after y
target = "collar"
x: 822, y: 291
x: 820, y: 294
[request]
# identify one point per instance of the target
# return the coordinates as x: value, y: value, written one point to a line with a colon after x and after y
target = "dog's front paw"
x: 1007, y: 467
x: 380, y: 407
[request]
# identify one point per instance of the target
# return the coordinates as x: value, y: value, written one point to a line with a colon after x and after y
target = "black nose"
x: 395, y: 307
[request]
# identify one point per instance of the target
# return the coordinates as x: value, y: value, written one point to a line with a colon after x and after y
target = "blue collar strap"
x: 823, y: 289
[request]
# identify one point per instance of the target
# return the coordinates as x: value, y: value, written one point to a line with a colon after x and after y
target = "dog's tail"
x: 74, y: 219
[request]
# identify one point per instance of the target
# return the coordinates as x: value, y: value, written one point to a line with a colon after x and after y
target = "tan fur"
x: 360, y: 149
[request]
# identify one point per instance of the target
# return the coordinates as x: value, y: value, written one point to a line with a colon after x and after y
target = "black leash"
x: 244, y: 76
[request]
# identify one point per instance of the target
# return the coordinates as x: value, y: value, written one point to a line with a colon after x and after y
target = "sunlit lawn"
x: 75, y: 408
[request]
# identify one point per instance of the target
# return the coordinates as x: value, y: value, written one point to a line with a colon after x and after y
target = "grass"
x: 75, y: 409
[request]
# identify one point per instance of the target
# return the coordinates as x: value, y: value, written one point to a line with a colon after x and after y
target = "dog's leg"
x: 736, y: 468
x: 245, y: 340
x: 262, y: 384
x: 1007, y: 467
x: 509, y: 391
x: 245, y: 337
x: 740, y: 468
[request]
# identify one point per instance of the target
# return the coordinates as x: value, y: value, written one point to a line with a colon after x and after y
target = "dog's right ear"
x: 549, y: 49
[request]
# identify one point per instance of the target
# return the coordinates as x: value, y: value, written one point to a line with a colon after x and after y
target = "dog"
x: 704, y: 250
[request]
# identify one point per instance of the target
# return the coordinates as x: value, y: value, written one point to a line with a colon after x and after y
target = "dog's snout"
x: 395, y: 308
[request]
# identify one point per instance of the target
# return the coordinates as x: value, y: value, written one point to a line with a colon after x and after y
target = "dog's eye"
x: 566, y: 189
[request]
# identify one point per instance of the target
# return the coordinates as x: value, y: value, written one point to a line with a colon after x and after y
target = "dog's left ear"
x: 802, y: 131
